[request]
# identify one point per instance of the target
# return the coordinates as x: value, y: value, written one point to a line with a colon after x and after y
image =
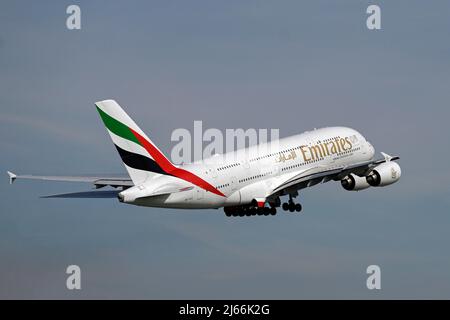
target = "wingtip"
x: 386, y: 156
x: 12, y: 177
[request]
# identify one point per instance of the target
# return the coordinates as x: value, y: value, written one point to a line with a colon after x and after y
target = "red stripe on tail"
x: 169, y: 168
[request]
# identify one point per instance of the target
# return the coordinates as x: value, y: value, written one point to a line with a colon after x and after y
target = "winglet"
x: 387, y: 157
x: 12, y: 177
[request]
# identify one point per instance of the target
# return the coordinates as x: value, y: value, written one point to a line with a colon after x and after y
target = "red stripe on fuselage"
x: 169, y: 168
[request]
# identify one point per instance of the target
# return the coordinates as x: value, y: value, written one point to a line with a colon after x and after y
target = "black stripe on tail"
x: 140, y: 162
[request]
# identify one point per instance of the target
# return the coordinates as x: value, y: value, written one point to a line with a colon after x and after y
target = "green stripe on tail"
x: 116, y: 127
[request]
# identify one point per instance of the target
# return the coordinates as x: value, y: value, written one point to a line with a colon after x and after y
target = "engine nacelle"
x: 352, y: 182
x: 384, y: 174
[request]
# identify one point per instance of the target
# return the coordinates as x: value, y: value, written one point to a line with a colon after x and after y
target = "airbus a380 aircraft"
x: 247, y: 182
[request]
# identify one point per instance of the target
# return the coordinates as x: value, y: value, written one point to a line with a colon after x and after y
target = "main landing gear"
x: 254, y: 210
x: 240, y: 211
x: 291, y: 206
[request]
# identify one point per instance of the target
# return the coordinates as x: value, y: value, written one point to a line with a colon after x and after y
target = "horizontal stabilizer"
x: 86, y: 194
x: 12, y: 177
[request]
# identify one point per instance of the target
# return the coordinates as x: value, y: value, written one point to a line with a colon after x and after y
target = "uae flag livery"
x: 139, y: 154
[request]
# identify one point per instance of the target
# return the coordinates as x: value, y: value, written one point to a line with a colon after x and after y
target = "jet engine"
x: 352, y: 182
x: 384, y: 174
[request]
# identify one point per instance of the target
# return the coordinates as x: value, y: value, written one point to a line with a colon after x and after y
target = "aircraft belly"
x: 189, y: 199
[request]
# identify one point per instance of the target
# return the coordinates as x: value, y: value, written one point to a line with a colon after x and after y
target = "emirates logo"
x: 393, y: 173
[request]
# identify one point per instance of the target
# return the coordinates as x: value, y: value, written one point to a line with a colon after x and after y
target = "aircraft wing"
x: 113, y: 193
x: 321, y: 174
x: 98, y: 181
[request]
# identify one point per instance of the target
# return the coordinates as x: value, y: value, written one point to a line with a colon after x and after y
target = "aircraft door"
x: 198, y: 193
x: 275, y: 170
x: 212, y: 172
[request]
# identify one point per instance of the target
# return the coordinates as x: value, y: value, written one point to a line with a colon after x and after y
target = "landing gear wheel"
x: 298, y: 207
x: 259, y: 211
x: 285, y: 206
x: 273, y: 211
x: 228, y: 211
x: 266, y: 211
x: 291, y: 207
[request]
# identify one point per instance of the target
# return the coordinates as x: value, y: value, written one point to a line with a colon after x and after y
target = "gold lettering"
x: 347, y: 139
x: 316, y: 152
x: 333, y: 147
x: 304, y: 153
x: 325, y: 149
x: 342, y: 143
x: 338, y: 146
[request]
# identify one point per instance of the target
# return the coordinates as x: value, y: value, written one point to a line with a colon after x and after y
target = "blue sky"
x: 238, y: 64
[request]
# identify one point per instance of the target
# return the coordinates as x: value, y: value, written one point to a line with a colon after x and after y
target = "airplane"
x: 246, y: 182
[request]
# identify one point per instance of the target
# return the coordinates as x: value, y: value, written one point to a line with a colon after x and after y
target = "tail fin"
x: 141, y: 157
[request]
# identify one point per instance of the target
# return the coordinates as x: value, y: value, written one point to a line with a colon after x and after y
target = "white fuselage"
x: 253, y: 172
